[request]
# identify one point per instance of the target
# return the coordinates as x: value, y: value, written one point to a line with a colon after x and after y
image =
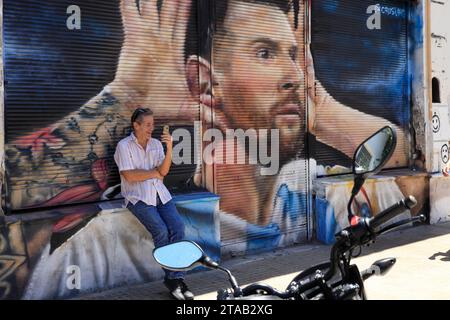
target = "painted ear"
x: 200, y: 79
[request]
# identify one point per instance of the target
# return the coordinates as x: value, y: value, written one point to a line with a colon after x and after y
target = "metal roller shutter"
x: 272, y: 210
x: 62, y: 123
x: 363, y: 68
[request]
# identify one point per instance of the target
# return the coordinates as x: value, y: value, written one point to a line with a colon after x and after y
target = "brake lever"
x: 420, y: 218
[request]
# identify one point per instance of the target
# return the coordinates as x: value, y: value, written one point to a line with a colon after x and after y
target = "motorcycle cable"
x: 359, y: 181
x: 400, y: 223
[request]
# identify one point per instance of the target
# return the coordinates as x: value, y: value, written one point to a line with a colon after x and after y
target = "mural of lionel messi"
x: 150, y: 63
x: 78, y: 146
x: 257, y: 80
x: 144, y: 63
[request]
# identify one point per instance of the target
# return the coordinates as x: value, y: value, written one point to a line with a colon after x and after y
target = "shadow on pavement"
x: 408, y: 235
x: 281, y: 262
x: 445, y: 256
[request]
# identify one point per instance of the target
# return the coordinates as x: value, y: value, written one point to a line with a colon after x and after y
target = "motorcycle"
x: 336, y: 279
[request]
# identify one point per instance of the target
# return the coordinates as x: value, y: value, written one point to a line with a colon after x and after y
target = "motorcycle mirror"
x: 370, y: 157
x: 185, y: 255
x: 374, y: 152
x: 179, y: 256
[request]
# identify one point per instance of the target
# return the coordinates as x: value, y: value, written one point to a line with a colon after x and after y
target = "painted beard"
x: 290, y: 121
x: 291, y: 141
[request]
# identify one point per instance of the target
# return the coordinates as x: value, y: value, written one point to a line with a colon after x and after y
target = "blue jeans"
x: 164, y: 224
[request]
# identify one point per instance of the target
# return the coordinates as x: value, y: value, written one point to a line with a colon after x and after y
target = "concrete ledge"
x: 65, y: 252
x: 379, y: 192
x: 439, y: 199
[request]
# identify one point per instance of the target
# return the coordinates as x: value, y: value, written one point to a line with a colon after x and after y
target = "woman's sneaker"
x: 174, y: 287
x: 188, y: 295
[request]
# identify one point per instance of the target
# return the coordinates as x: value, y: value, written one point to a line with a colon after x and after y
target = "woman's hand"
x: 168, y: 140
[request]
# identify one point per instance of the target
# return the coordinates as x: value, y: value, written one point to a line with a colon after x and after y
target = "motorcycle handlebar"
x: 342, y: 245
x: 252, y: 289
x: 394, y: 210
x: 384, y: 216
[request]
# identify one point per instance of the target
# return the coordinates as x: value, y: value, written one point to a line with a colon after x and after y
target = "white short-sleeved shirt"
x: 130, y: 155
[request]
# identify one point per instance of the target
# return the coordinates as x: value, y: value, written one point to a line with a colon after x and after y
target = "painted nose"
x: 292, y: 76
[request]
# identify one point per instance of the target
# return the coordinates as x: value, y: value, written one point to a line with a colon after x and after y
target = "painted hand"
x: 151, y: 64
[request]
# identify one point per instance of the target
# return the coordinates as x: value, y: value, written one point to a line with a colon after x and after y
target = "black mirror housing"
x: 374, y: 152
x: 370, y: 157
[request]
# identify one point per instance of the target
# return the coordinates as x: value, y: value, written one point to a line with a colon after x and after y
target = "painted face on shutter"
x: 258, y: 73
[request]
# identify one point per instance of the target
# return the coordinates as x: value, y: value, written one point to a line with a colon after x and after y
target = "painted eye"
x: 264, y: 54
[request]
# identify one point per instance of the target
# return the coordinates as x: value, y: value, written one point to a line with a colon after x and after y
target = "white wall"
x: 440, y: 57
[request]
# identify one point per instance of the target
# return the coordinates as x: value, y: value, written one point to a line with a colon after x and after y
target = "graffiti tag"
x: 436, y: 123
x: 444, y: 153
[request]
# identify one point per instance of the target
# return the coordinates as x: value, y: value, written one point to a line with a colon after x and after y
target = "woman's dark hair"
x: 139, y: 113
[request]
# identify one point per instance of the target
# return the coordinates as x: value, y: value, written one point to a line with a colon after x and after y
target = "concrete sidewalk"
x: 421, y: 271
